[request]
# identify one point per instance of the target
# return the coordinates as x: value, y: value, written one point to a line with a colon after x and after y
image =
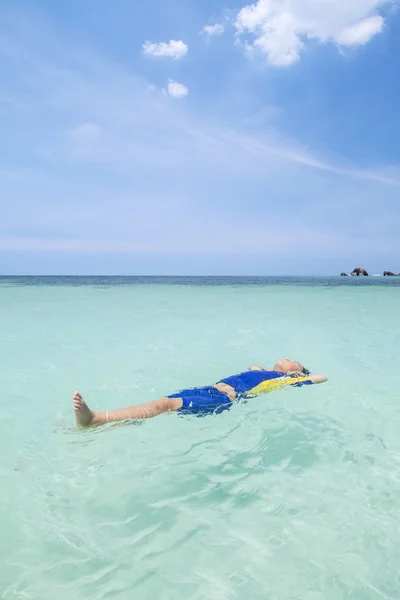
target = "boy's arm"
x: 318, y: 378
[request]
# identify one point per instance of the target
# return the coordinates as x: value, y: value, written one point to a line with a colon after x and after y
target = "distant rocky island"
x: 361, y: 272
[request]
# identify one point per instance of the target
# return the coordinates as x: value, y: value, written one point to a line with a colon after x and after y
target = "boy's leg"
x: 88, y: 418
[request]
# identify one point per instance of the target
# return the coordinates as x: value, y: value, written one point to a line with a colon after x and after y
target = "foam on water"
x: 294, y: 495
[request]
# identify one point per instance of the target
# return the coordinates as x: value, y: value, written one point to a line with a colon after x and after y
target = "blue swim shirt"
x: 252, y: 383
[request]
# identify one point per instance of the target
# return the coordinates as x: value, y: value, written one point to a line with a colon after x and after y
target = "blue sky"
x: 186, y: 137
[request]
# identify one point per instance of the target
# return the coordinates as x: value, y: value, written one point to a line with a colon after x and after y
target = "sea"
x: 293, y: 495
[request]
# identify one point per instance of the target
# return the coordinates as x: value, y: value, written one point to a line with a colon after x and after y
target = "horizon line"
x: 188, y: 275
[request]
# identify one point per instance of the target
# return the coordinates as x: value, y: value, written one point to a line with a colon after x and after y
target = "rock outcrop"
x: 359, y: 272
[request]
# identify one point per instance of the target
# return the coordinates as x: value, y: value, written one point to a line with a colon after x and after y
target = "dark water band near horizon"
x: 199, y: 280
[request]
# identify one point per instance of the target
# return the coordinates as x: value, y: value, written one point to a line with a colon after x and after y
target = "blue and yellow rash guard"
x: 255, y: 382
x: 246, y: 385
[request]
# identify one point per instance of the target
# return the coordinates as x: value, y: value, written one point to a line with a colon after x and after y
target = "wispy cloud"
x: 173, y: 49
x: 210, y: 30
x: 87, y: 132
x: 84, y: 138
x: 291, y: 152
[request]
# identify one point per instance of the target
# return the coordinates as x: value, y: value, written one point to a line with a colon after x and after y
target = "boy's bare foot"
x: 84, y: 416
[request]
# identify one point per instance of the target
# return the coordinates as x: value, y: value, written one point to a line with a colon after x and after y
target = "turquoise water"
x: 294, y: 495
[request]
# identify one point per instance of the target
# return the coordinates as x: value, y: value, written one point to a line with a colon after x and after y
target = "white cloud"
x: 173, y: 49
x: 281, y: 28
x: 216, y: 29
x: 362, y: 32
x: 177, y: 90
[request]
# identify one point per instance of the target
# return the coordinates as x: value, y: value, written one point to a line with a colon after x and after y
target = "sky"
x: 179, y: 137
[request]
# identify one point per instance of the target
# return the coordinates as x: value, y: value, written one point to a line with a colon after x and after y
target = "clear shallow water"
x: 294, y: 495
